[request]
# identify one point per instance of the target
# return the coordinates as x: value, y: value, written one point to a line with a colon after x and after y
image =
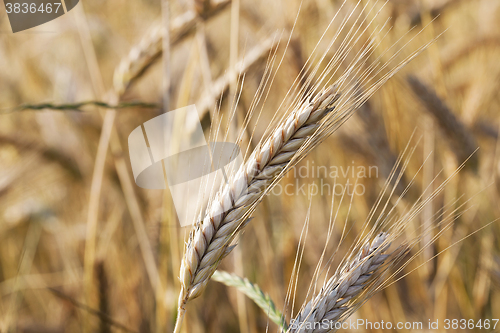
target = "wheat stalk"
x: 219, y: 86
x: 77, y: 106
x: 150, y: 48
x: 253, y: 292
x: 346, y: 290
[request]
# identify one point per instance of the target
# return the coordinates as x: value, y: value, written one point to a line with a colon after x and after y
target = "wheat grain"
x: 140, y: 57
x: 209, y: 241
x: 303, y: 129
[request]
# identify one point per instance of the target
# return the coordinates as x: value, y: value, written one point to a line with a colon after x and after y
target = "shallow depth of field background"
x: 47, y: 164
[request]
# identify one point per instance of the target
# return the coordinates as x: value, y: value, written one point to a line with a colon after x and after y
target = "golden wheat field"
x: 359, y: 146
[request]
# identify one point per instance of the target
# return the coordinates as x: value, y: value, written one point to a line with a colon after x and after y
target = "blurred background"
x: 83, y: 249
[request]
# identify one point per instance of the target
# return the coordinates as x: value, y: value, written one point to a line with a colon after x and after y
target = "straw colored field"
x: 83, y: 249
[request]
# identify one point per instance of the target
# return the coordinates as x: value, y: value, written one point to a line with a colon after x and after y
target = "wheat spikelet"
x: 253, y: 292
x: 140, y: 57
x: 342, y: 292
x: 365, y: 271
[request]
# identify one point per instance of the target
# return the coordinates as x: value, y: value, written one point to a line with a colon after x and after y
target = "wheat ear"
x: 345, y: 291
x: 253, y: 292
x: 209, y: 241
x: 461, y: 140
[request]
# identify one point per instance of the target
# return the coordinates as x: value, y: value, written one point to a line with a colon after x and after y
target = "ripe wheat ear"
x: 346, y: 290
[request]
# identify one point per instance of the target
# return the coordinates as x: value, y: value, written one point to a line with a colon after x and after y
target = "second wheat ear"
x: 341, y: 293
